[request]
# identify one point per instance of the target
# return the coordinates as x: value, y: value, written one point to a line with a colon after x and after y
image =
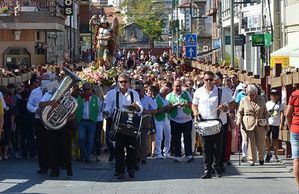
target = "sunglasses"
x: 209, y: 79
x: 86, y: 89
x: 123, y: 82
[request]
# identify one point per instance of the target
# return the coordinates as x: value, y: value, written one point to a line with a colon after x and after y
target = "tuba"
x: 56, y: 118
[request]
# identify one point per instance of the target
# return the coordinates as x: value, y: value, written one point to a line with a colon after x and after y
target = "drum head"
x: 210, y: 123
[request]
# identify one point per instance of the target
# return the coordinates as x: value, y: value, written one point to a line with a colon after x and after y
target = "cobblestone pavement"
x: 158, y: 176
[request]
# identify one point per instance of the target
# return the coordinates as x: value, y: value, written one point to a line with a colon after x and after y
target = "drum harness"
x: 117, y: 107
x: 218, y: 111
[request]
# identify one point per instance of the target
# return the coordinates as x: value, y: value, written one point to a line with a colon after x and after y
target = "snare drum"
x: 126, y: 123
x: 206, y: 128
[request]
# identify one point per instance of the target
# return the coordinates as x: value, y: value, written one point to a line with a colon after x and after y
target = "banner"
x: 284, y: 60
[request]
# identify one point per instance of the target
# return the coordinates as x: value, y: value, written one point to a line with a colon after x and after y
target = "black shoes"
x: 54, y: 173
x: 206, y: 175
x: 131, y: 173
x: 121, y: 176
x: 111, y: 157
x: 42, y: 171
x: 261, y: 162
x: 69, y: 172
x: 218, y: 174
x: 136, y: 167
x: 268, y: 157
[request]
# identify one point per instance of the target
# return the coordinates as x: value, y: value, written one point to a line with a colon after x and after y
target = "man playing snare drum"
x: 119, y: 98
x: 207, y: 106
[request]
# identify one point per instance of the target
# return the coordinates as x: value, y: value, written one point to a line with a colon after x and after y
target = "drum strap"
x: 117, y: 98
x: 219, y: 100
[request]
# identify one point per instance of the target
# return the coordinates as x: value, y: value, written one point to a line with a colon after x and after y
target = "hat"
x: 273, y: 91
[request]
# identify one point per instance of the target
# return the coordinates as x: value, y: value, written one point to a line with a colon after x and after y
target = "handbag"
x: 262, y: 122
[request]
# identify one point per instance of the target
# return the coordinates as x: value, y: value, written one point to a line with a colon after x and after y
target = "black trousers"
x: 97, y: 138
x: 129, y: 160
x: 27, y: 137
x: 59, y: 147
x: 177, y: 130
x: 212, y: 149
x: 42, y: 145
x: 141, y: 146
x: 224, y: 143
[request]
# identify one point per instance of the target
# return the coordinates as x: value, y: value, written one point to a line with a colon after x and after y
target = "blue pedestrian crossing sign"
x: 191, y: 52
x: 191, y: 39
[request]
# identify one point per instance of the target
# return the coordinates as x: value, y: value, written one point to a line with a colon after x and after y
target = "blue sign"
x: 216, y: 43
x: 191, y: 52
x: 191, y: 39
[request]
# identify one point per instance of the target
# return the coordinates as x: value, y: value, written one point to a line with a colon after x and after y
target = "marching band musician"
x: 125, y: 95
x: 33, y: 107
x: 205, y: 104
x: 59, y: 151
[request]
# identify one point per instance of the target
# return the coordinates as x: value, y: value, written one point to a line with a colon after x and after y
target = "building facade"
x: 35, y: 32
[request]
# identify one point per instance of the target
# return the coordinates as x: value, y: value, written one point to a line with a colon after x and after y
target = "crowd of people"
x: 168, y: 96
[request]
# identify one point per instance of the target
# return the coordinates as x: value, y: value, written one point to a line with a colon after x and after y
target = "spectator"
x: 253, y: 116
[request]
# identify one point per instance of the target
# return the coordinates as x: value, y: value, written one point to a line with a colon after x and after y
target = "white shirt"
x: 181, y: 117
x: 208, y: 103
x: 3, y: 102
x: 100, y: 111
x: 33, y: 101
x: 85, y: 114
x: 274, y: 110
x: 124, y: 99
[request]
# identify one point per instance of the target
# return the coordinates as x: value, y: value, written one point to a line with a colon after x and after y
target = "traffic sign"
x: 191, y: 39
x: 191, y: 52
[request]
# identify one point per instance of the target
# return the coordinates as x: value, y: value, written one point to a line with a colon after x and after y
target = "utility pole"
x: 232, y: 34
x: 177, y: 28
x: 191, y: 16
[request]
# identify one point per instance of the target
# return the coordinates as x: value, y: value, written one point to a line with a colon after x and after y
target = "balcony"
x: 43, y: 20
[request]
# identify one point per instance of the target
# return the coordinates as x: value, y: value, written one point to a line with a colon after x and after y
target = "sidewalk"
x: 156, y: 177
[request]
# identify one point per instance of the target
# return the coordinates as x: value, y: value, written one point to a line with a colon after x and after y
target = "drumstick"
x: 218, y: 108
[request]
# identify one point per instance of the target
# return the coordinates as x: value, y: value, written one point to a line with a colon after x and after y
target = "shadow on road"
x: 20, y: 175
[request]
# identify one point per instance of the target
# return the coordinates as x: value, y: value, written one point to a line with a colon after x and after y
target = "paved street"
x: 156, y: 177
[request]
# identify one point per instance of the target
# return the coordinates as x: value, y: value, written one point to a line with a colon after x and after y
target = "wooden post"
x: 276, y: 73
x: 265, y: 81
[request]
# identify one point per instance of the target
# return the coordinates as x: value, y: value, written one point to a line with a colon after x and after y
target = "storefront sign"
x: 284, y: 60
x: 68, y: 7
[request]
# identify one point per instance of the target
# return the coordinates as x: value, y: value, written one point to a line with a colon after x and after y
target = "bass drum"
x: 126, y: 123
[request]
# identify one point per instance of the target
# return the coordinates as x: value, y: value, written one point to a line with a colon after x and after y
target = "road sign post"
x: 191, y: 45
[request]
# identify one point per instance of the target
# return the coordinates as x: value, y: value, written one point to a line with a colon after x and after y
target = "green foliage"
x: 4, y: 10
x: 227, y: 59
x: 147, y: 15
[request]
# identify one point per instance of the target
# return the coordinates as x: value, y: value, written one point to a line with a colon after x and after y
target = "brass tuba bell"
x: 56, y: 118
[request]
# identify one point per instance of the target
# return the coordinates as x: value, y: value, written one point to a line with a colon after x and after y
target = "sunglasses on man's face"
x: 209, y: 79
x: 123, y: 81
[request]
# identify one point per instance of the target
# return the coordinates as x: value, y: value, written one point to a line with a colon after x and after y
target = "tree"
x: 147, y: 16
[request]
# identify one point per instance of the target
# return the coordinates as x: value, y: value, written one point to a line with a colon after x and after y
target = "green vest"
x: 160, y: 116
x: 93, y: 108
x: 183, y: 99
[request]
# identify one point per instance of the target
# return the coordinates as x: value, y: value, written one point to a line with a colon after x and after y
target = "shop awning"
x: 294, y: 58
x: 283, y: 55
